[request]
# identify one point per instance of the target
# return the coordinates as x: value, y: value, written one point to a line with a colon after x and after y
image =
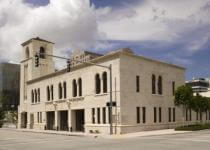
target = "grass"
x: 195, y: 127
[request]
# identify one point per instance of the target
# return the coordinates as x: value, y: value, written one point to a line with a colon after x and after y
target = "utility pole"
x: 94, y: 64
x: 110, y: 107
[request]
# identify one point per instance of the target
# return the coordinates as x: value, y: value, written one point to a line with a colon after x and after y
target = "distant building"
x: 199, y: 85
x: 10, y: 83
x: 82, y: 56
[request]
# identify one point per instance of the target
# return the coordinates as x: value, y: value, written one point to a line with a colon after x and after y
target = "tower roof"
x: 37, y: 39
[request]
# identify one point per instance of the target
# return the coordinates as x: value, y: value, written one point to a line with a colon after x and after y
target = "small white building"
x: 142, y: 92
x: 200, y: 86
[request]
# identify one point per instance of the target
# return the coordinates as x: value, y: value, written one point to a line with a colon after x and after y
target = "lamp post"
x: 110, y: 106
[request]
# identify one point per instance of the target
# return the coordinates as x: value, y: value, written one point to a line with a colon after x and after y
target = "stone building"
x: 77, y: 101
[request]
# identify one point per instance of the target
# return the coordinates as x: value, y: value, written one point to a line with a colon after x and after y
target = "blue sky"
x: 173, y: 38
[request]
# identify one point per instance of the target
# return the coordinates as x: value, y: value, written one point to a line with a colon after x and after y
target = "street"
x: 16, y: 140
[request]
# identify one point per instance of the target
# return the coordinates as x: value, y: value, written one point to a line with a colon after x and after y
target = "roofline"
x: 154, y: 60
x: 38, y: 39
x: 112, y: 55
x: 79, y: 66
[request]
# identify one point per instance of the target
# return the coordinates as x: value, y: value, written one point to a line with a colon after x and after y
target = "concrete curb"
x: 123, y: 136
x: 65, y: 133
x: 147, y: 134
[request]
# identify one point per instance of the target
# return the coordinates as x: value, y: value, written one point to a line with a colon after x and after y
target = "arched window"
x: 42, y: 52
x: 52, y: 95
x: 32, y: 96
x: 60, y: 91
x: 64, y: 89
x: 104, y: 77
x: 74, y: 88
x: 48, y: 93
x: 153, y: 84
x: 98, y: 84
x: 160, y: 85
x: 27, y: 53
x: 80, y: 86
x: 35, y: 96
x: 39, y: 95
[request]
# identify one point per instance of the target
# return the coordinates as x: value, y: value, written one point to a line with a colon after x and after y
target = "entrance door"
x: 50, y: 120
x: 32, y: 121
x: 64, y: 120
x: 24, y: 120
x: 80, y: 120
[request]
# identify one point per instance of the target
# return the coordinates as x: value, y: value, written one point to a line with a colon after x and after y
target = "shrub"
x: 196, y: 127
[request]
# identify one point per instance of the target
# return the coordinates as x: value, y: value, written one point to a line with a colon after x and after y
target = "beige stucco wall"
x: 130, y: 67
x: 125, y: 67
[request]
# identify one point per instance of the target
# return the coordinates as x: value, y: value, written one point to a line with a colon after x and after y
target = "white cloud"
x: 155, y: 20
x: 74, y: 24
x: 71, y: 24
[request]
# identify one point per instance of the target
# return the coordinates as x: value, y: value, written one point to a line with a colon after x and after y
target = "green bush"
x: 196, y: 127
x: 1, y: 123
x: 2, y: 115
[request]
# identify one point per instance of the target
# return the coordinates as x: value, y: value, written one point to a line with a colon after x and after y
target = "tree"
x: 208, y: 102
x: 5, y: 106
x: 183, y: 96
x: 2, y: 113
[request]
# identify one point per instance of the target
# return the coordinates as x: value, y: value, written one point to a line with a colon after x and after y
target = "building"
x: 200, y: 86
x: 10, y: 84
x: 78, y: 101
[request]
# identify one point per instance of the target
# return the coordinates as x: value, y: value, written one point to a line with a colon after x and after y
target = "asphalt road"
x: 16, y: 140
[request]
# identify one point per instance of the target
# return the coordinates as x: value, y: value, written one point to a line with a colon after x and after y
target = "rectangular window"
x: 209, y: 115
x: 206, y: 115
x: 137, y: 114
x: 201, y: 116
x: 197, y: 115
x: 144, y: 114
x: 160, y: 114
x: 40, y: 117
x: 173, y: 88
x: 93, y: 115
x: 186, y: 114
x: 98, y: 115
x: 155, y: 114
x: 169, y: 114
x: 104, y: 115
x: 190, y: 114
x: 174, y: 114
x: 110, y: 115
x: 137, y: 84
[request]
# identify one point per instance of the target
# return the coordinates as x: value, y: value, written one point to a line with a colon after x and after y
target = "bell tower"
x: 46, y: 65
x: 28, y: 69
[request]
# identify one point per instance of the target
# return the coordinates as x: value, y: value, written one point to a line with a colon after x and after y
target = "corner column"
x: 69, y: 117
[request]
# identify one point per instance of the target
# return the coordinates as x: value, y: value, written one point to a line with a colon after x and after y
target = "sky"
x: 176, y: 32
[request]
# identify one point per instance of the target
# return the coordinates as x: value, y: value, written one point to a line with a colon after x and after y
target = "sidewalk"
x: 66, y: 133
x: 146, y: 133
x: 122, y: 136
